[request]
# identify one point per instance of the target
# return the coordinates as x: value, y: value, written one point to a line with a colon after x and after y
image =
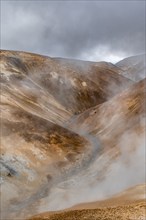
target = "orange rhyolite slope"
x: 61, y: 125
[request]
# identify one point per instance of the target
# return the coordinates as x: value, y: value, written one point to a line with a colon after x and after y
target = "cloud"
x: 77, y: 29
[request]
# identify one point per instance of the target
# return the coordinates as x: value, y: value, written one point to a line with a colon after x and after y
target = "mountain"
x: 72, y: 132
x: 134, y: 67
x: 122, y: 112
x: 58, y: 86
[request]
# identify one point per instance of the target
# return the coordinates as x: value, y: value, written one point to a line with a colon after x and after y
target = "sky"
x: 86, y: 30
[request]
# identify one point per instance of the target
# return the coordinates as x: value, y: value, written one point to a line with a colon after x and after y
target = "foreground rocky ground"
x: 128, y: 205
x: 130, y: 212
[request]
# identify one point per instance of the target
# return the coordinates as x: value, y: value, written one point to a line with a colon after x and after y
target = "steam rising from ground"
x: 102, y: 178
x: 97, y: 174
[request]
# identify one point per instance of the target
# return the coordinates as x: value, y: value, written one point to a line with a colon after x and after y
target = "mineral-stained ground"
x: 72, y: 138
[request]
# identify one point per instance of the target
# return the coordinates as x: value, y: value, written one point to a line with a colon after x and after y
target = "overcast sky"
x: 88, y: 30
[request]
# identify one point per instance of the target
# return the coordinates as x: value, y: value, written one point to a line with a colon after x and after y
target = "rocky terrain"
x: 129, y: 204
x: 137, y: 211
x: 72, y: 132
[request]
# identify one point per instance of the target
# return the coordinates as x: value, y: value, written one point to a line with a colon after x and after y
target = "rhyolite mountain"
x: 65, y: 126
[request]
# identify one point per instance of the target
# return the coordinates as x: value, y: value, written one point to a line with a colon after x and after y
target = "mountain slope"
x: 59, y: 85
x: 121, y: 113
x: 67, y: 130
x: 133, y: 68
x: 35, y: 154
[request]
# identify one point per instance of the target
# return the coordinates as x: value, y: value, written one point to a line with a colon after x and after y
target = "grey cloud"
x: 78, y: 29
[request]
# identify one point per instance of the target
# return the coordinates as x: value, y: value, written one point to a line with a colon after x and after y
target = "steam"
x: 106, y: 176
x: 99, y: 174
